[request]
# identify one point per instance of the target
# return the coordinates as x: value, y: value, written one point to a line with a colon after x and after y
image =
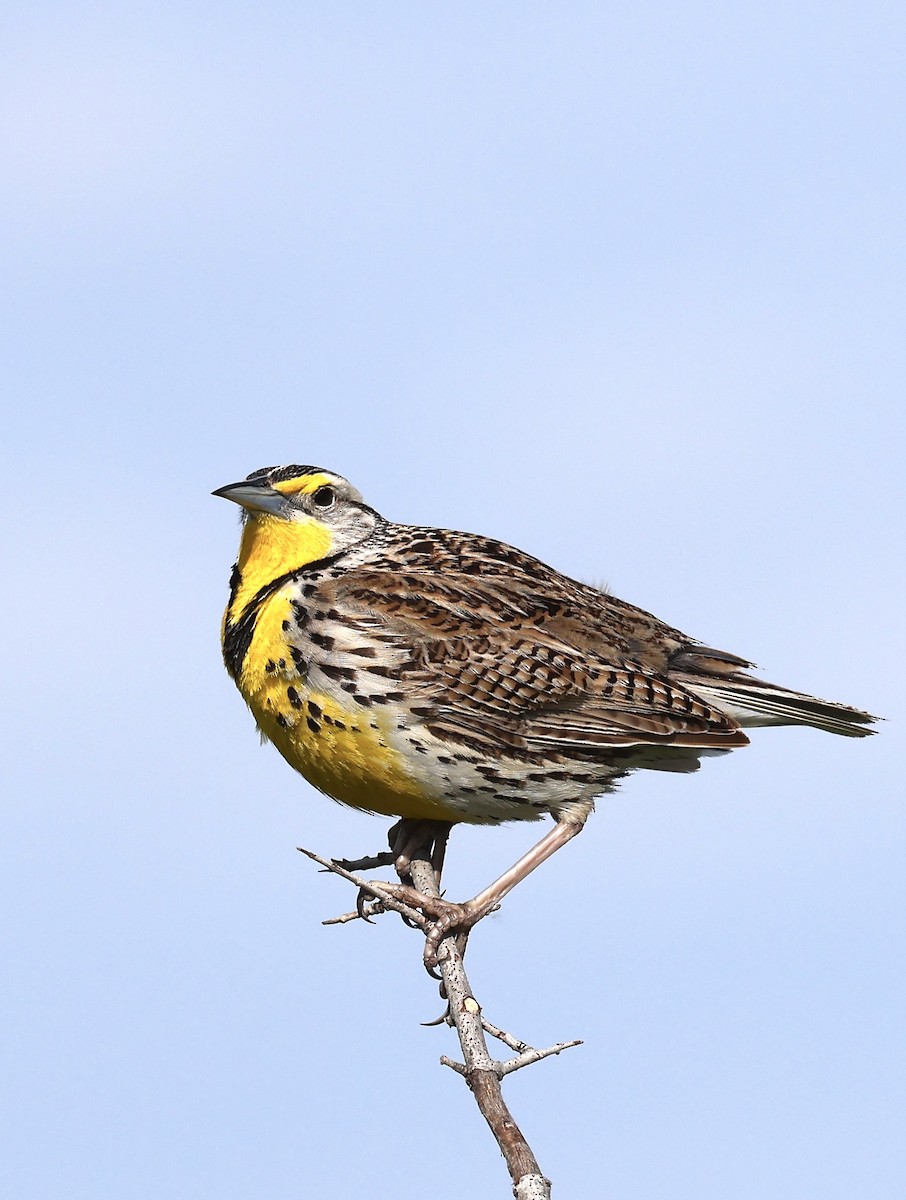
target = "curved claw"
x: 443, y: 1019
x: 361, y: 900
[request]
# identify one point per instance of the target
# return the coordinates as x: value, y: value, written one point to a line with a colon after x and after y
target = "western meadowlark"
x: 443, y: 677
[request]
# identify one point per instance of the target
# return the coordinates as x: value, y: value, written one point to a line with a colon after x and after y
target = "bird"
x: 443, y: 677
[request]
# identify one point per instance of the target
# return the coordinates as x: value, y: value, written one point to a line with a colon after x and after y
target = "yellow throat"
x: 346, y: 754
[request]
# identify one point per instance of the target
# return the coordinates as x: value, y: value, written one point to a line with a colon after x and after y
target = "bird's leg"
x: 448, y: 916
x: 564, y: 831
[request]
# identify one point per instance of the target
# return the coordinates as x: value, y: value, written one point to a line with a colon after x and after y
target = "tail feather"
x: 754, y: 702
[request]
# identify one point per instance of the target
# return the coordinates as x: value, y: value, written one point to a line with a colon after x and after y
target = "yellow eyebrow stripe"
x: 304, y: 484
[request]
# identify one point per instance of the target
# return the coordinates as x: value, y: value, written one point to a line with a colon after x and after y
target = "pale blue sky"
x: 620, y: 283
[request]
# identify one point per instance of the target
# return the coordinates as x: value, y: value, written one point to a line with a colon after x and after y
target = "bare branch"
x: 502, y: 1036
x: 532, y: 1187
x: 482, y: 1072
x: 365, y: 885
x: 533, y: 1056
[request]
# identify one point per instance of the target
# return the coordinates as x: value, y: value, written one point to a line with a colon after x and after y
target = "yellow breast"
x: 346, y: 752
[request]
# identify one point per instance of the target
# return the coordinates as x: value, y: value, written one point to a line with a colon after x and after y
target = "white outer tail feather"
x: 754, y: 703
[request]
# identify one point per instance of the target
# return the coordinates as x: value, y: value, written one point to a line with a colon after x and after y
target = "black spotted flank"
x: 334, y: 672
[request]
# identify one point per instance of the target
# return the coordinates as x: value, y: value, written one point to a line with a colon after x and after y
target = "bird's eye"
x: 324, y: 497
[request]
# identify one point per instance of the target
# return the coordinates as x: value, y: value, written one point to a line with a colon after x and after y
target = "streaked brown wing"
x: 489, y: 663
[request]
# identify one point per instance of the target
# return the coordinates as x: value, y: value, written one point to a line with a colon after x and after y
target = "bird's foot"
x: 446, y: 918
x: 406, y: 838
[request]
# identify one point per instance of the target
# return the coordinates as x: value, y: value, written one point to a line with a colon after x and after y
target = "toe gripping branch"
x: 416, y: 842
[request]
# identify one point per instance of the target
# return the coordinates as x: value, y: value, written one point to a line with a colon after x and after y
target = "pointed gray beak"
x: 257, y: 497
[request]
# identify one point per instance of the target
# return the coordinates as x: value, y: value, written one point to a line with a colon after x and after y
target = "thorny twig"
x: 482, y: 1072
